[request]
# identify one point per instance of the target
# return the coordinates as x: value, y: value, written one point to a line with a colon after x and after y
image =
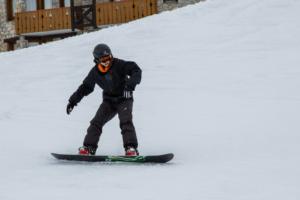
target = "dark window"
x: 12, y: 46
x: 10, y: 10
x: 64, y: 3
x: 40, y: 5
x: 61, y: 3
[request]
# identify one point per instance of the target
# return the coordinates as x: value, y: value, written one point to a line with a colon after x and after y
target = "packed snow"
x: 220, y: 89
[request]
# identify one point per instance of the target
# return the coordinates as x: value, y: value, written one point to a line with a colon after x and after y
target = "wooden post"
x: 72, y: 15
x: 94, y: 14
x: 78, y: 23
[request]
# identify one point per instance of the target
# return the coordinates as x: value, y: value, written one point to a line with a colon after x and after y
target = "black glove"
x: 128, y: 92
x: 70, y: 107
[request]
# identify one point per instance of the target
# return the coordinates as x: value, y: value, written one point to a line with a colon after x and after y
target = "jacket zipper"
x: 109, y: 81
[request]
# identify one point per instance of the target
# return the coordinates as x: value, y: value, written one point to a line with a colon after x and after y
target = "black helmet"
x: 101, y: 50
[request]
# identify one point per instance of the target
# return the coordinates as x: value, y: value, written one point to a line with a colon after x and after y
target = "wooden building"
x: 25, y: 23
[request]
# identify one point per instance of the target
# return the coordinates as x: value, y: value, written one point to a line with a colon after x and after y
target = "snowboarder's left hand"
x: 128, y: 92
x: 70, y: 107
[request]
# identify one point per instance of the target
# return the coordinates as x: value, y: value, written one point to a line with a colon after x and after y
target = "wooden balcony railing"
x: 106, y: 13
x: 43, y: 20
x: 124, y: 11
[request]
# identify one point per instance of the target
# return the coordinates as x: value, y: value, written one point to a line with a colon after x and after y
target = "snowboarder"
x: 110, y: 74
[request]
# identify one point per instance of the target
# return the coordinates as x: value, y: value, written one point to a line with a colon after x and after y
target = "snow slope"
x: 220, y: 90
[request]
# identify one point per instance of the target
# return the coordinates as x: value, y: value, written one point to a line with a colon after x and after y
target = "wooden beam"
x: 11, y: 39
x: 47, y: 37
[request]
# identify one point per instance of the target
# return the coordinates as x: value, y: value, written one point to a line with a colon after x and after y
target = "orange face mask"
x: 103, y: 69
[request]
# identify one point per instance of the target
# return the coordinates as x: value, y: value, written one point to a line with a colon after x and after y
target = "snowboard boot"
x: 131, y: 151
x: 87, y: 150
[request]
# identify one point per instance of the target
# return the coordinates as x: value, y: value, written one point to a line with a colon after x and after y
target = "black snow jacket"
x: 112, y: 82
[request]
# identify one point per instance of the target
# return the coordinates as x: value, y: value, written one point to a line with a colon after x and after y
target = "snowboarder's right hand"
x: 70, y: 107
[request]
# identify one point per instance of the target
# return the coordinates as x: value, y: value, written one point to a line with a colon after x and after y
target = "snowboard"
x: 106, y: 158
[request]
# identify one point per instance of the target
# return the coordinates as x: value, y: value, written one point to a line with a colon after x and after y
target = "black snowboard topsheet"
x: 105, y: 158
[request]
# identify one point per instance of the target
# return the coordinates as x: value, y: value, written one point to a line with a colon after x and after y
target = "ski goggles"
x: 105, y: 59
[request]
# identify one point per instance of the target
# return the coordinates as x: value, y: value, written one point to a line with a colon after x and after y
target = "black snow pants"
x: 105, y: 113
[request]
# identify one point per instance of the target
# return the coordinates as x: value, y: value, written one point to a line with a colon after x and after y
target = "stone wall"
x: 172, y: 4
x: 2, y: 11
x: 55, y: 3
x: 3, y: 25
x: 7, y: 28
x: 21, y: 6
